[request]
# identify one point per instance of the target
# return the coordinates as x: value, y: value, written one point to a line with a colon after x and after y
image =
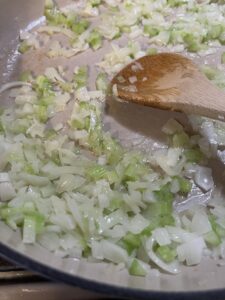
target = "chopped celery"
x: 212, y: 238
x: 81, y: 77
x: 209, y: 72
x: 49, y: 4
x: 166, y: 253
x: 102, y: 82
x: 115, y: 203
x: 131, y: 242
x: 184, y: 184
x: 151, y: 31
x: 181, y: 140
x: 80, y: 27
x: 219, y: 230
x: 136, y: 268
x: 95, y: 39
x: 193, y: 155
x: 160, y: 212
x: 43, y: 85
x: 42, y: 114
x: 24, y: 47
x: 192, y: 44
x: 152, y: 51
x: 112, y: 150
x: 95, y: 3
x: 176, y: 3
x: 29, y: 169
x: 96, y: 172
x: 223, y: 58
x: 215, y: 32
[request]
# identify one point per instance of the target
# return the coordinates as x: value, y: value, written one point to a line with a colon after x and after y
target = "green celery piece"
x: 166, y: 253
x: 102, y: 82
x: 194, y: 155
x: 42, y: 114
x: 223, y: 58
x: 77, y: 124
x: 95, y: 39
x: 209, y: 72
x: 181, y: 139
x: 1, y: 128
x: 71, y: 19
x: 80, y: 27
x: 96, y: 172
x: 212, y: 238
x: 66, y: 86
x: 131, y: 242
x: 151, y: 31
x: 112, y: 150
x: 19, y: 126
x: 39, y: 220
x: 43, y: 85
x: 215, y: 32
x: 29, y: 169
x: 95, y: 140
x: 219, y: 230
x: 81, y: 77
x: 176, y: 3
x: 152, y: 51
x: 184, y: 184
x: 191, y: 42
x: 164, y: 194
x: 49, y: 4
x: 24, y: 47
x: 55, y: 17
x: 136, y: 268
x: 134, y: 170
x: 95, y: 3
x: 115, y: 203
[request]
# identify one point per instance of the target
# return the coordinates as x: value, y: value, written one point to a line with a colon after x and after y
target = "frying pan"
x: 205, y: 281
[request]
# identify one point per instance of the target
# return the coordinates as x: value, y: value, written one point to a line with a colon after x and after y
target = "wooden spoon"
x: 169, y: 81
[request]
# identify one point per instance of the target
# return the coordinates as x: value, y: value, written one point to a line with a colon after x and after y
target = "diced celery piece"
x: 95, y: 3
x: 96, y: 172
x: 81, y: 77
x: 49, y: 4
x: 29, y: 169
x: 95, y: 39
x: 181, y: 140
x: 166, y: 253
x: 112, y: 150
x: 152, y: 51
x: 223, y: 58
x: 193, y: 155
x: 151, y: 31
x: 176, y: 3
x: 215, y: 32
x: 115, y: 203
x: 192, y: 44
x: 24, y: 47
x: 43, y: 85
x: 136, y: 268
x: 42, y: 114
x: 212, y: 238
x: 80, y: 27
x: 131, y: 242
x: 209, y: 72
x: 184, y: 184
x: 102, y: 82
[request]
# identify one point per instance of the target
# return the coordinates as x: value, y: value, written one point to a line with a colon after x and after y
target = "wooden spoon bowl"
x: 169, y: 81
